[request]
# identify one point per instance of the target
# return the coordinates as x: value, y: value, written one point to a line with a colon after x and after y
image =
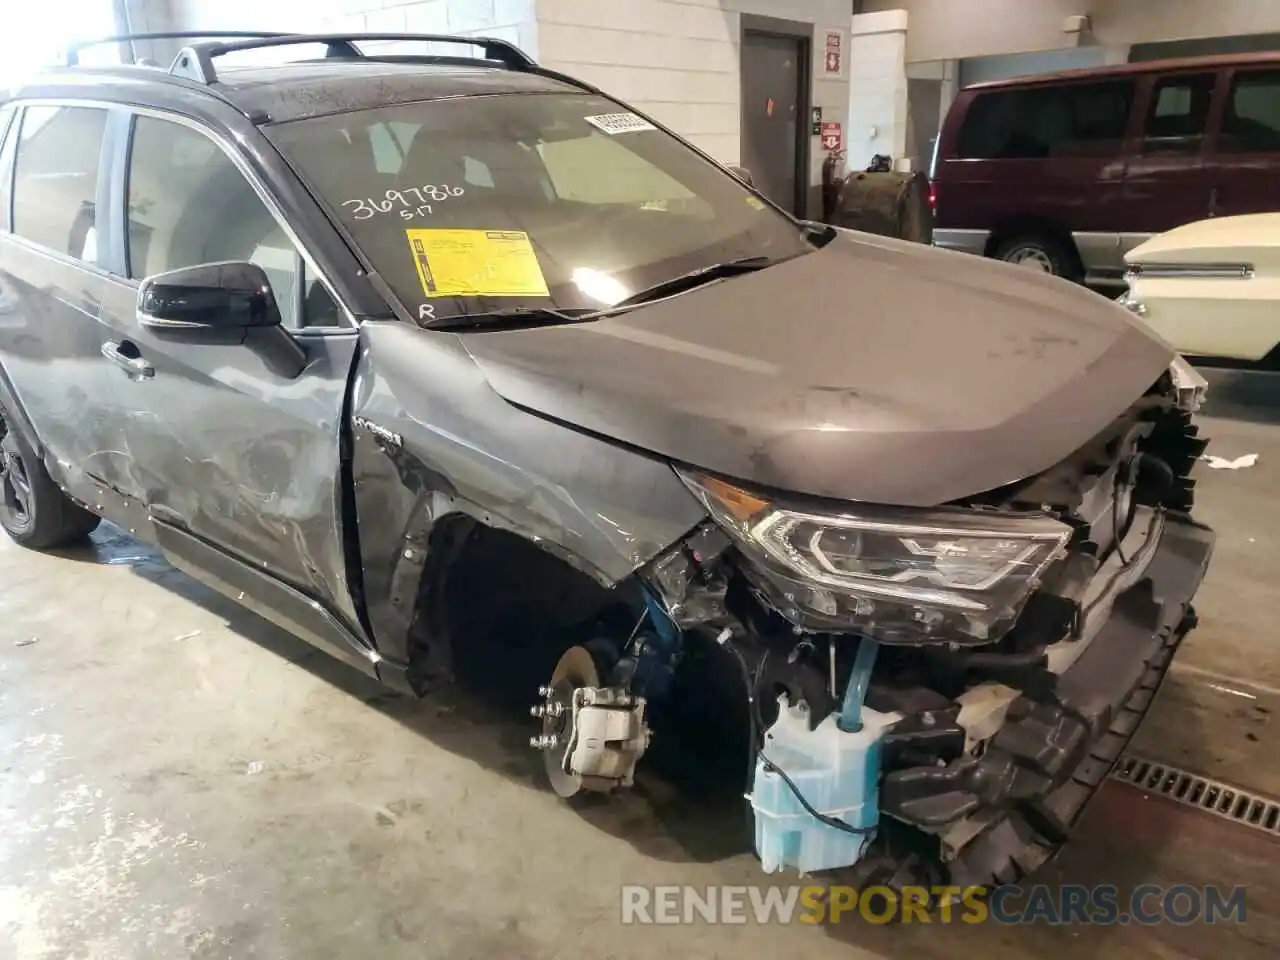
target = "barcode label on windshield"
x: 616, y: 123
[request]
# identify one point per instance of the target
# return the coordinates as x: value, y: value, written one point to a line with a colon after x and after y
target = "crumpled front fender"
x: 431, y: 441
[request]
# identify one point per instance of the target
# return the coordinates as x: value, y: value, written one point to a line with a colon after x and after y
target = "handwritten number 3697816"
x: 397, y: 200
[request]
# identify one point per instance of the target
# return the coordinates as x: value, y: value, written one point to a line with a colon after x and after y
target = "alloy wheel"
x: 15, y: 482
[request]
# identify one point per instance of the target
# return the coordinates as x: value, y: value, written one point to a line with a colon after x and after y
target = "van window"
x: 1252, y: 119
x: 1176, y: 117
x: 189, y: 204
x: 56, y: 179
x: 1078, y: 119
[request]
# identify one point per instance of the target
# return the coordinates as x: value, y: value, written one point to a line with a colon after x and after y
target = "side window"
x: 56, y: 178
x: 1099, y: 117
x: 319, y: 309
x: 189, y: 204
x: 1252, y: 119
x: 1079, y: 119
x: 987, y: 132
x: 1176, y: 117
x: 8, y: 140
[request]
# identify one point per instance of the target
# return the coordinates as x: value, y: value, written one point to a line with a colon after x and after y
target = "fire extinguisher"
x: 832, y: 183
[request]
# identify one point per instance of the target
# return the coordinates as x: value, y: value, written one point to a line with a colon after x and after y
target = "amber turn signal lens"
x: 742, y: 505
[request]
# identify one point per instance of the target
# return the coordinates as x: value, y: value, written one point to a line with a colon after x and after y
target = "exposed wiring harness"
x: 756, y: 749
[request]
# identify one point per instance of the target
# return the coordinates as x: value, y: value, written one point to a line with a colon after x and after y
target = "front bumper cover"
x: 1001, y: 816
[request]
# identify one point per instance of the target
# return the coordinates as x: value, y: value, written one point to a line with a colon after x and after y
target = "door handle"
x: 136, y: 367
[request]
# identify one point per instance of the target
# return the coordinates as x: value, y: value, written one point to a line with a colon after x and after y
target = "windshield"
x: 567, y: 202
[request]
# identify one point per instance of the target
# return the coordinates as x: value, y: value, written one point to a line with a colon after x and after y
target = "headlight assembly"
x: 903, y: 575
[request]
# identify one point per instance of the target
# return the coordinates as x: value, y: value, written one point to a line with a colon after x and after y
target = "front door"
x: 771, y: 116
x: 226, y: 444
x: 1168, y: 181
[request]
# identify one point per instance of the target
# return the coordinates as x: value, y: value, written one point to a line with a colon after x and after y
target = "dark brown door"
x: 772, y: 105
x: 1168, y: 182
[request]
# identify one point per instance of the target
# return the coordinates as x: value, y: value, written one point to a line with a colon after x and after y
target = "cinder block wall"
x: 676, y: 59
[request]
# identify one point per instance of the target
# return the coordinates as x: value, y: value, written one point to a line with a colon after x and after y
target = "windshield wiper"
x: 519, y: 318
x: 513, y: 318
x: 692, y: 279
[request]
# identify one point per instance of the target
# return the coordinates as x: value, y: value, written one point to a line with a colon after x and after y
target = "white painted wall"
x: 877, y: 87
x: 958, y: 29
x: 679, y: 59
x: 36, y: 35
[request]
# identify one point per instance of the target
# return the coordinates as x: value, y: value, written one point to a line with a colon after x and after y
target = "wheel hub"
x: 1031, y: 258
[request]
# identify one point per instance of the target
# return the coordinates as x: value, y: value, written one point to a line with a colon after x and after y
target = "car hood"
x: 870, y: 369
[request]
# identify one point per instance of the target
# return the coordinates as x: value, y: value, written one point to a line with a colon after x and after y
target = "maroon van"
x: 1068, y: 172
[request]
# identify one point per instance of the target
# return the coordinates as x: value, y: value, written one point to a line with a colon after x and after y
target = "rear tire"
x: 1040, y: 252
x: 33, y: 510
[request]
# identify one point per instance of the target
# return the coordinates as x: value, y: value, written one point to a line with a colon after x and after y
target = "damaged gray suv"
x: 412, y: 354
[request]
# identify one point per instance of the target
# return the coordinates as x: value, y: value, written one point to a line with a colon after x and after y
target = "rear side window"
x: 56, y: 178
x: 1078, y: 119
x: 1177, y: 114
x: 1252, y: 119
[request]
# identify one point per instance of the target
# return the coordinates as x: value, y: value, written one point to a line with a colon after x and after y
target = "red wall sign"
x: 832, y: 136
x: 834, y: 54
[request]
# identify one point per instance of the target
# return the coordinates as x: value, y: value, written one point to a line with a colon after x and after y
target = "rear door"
x: 1169, y: 180
x: 1245, y: 164
x: 53, y: 280
x: 226, y: 445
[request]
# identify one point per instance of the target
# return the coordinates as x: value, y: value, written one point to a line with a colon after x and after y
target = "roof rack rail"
x: 73, y: 51
x: 196, y: 61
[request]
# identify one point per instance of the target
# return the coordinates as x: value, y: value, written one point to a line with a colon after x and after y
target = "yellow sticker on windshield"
x: 755, y: 203
x: 477, y: 263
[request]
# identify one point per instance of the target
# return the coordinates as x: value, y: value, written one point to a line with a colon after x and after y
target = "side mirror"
x: 743, y: 174
x: 209, y: 296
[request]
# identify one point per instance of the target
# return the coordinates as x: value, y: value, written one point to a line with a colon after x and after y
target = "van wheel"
x: 1045, y: 254
x: 33, y: 511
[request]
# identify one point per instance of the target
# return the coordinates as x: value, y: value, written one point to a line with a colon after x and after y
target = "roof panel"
x: 294, y: 91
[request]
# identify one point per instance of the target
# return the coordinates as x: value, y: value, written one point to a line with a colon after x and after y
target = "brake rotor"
x: 576, y: 668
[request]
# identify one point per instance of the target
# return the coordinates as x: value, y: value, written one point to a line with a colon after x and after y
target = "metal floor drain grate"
x: 1212, y: 796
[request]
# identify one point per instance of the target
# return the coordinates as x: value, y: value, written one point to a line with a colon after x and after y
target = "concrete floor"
x: 179, y: 779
